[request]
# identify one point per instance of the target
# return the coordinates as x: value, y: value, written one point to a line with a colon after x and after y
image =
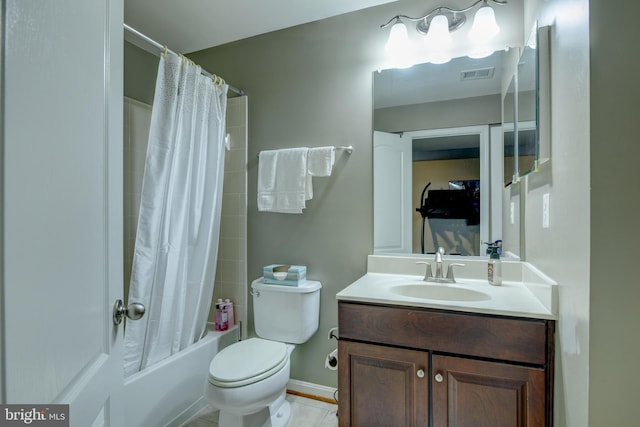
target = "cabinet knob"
x: 420, y: 373
x: 439, y: 378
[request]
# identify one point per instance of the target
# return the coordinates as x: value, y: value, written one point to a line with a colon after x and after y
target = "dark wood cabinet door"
x: 474, y: 393
x: 382, y: 386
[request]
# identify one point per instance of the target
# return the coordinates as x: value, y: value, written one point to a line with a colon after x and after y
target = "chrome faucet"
x: 439, y: 254
x: 438, y: 277
x: 427, y: 273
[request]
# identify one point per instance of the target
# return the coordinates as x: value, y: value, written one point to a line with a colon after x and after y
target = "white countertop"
x: 512, y: 298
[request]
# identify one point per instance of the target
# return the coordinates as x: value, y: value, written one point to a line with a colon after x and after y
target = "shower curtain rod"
x: 139, y: 36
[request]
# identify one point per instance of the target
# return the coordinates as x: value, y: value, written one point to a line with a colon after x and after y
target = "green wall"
x: 615, y: 204
x: 140, y: 71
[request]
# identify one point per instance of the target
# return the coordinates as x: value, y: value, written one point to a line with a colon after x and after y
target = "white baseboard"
x: 189, y: 413
x: 311, y: 389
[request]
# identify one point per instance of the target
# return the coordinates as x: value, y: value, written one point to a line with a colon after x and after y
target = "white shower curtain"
x: 176, y: 245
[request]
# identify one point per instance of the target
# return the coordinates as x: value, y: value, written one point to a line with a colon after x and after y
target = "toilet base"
x: 277, y: 414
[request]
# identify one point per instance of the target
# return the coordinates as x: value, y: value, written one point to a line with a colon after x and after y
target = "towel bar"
x: 347, y: 148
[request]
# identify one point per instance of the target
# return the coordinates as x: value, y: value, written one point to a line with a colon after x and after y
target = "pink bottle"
x: 224, y: 317
x: 219, y: 315
x: 230, y: 315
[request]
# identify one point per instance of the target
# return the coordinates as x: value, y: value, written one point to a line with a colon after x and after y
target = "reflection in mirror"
x: 431, y: 125
x: 508, y: 132
x: 449, y: 189
x: 528, y: 106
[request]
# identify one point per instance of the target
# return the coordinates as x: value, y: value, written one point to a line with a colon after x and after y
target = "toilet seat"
x: 247, y: 362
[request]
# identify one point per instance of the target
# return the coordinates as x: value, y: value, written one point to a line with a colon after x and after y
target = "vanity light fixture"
x: 399, y: 47
x: 436, y: 26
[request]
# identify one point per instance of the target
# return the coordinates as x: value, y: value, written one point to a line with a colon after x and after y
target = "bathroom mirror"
x: 527, y: 111
x: 509, y: 132
x: 432, y: 124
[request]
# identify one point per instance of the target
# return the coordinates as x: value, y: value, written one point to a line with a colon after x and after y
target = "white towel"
x: 321, y: 160
x: 283, y: 180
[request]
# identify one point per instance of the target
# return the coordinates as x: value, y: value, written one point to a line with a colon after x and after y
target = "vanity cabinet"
x: 388, y: 386
x: 468, y: 392
x: 419, y: 367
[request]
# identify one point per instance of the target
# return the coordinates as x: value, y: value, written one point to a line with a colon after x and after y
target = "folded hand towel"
x: 266, y: 179
x: 321, y: 161
x: 308, y: 194
x: 282, y: 180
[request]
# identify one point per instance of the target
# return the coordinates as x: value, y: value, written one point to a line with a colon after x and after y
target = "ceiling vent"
x: 480, y: 73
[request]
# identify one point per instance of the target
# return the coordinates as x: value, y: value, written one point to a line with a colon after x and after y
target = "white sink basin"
x: 468, y: 295
x: 438, y: 292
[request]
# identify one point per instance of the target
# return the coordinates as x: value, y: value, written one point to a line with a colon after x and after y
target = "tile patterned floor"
x: 304, y: 413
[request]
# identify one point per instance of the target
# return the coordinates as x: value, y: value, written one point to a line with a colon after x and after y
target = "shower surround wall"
x: 231, y: 272
x: 137, y: 121
x: 231, y: 276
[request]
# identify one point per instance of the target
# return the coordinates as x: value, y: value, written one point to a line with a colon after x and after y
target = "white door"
x: 62, y: 206
x: 392, y: 157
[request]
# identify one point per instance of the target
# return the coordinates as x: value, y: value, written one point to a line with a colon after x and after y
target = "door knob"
x: 420, y: 373
x: 439, y: 378
x: 133, y: 311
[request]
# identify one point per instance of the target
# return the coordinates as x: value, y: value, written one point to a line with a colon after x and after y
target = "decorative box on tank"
x: 282, y: 274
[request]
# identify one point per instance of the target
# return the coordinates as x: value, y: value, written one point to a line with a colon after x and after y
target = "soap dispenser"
x: 494, y: 268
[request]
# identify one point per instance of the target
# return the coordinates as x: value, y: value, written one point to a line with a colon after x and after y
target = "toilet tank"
x: 286, y: 313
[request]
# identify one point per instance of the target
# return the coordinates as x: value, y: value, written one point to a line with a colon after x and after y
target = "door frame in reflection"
x: 491, y: 154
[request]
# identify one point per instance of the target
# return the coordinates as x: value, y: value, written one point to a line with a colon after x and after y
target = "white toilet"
x: 248, y: 379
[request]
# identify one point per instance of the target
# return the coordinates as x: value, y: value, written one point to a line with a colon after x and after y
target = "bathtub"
x: 172, y: 391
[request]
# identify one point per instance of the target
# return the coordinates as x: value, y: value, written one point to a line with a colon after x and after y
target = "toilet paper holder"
x: 331, y: 361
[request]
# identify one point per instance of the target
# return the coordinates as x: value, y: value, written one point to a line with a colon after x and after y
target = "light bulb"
x: 484, y: 26
x: 398, y: 47
x: 438, y: 35
x: 398, y: 37
x: 438, y: 40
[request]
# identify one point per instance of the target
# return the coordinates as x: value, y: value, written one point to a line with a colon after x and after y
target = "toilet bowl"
x: 247, y: 381
x: 250, y: 378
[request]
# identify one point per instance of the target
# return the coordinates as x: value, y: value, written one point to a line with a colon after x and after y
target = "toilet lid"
x: 246, y: 362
